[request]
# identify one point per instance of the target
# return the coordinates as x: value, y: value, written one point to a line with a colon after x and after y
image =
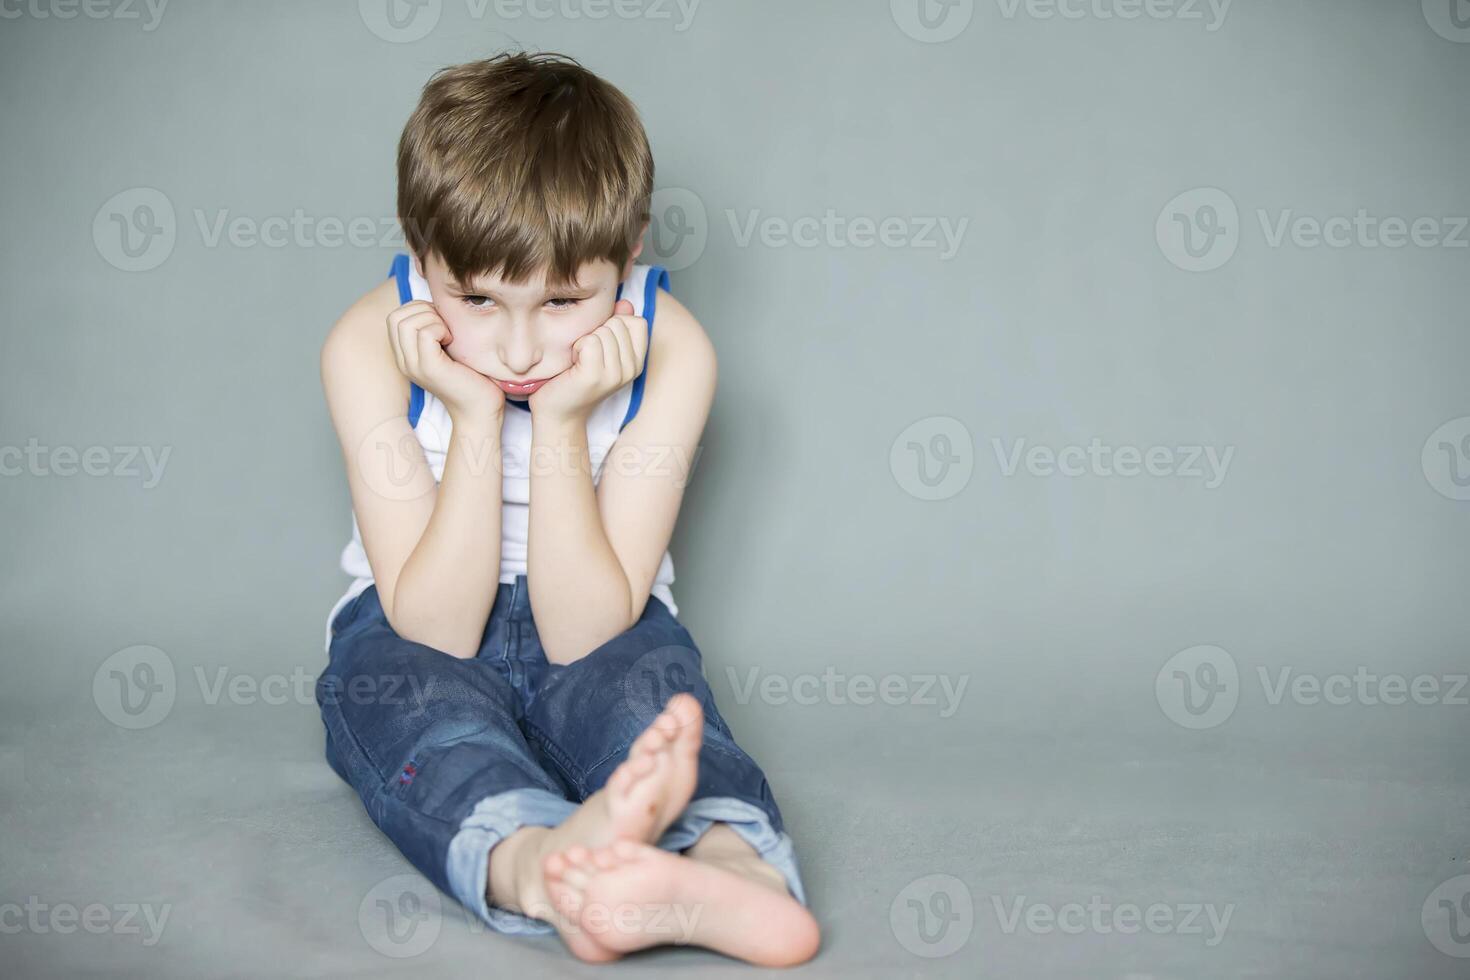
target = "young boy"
x: 509, y: 690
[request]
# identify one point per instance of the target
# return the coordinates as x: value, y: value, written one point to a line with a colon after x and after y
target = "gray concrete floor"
x: 226, y: 818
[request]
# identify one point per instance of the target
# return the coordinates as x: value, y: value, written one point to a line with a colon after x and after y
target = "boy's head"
x: 524, y: 183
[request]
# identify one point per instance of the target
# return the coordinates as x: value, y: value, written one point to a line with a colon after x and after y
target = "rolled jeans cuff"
x: 494, y: 819
x: 747, y: 820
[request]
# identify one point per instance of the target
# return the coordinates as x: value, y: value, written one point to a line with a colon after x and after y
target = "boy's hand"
x: 602, y: 362
x: 418, y: 335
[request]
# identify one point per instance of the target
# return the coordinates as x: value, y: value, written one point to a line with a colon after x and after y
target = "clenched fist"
x: 602, y: 362
x: 418, y: 334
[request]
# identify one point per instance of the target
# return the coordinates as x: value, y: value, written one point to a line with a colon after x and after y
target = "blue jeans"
x: 451, y: 756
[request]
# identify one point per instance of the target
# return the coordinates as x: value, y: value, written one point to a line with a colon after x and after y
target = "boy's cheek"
x: 469, y: 354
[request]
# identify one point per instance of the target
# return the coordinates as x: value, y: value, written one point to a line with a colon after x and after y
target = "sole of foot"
x: 628, y: 896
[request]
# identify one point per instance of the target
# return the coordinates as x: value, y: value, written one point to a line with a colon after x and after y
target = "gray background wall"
x: 1335, y: 540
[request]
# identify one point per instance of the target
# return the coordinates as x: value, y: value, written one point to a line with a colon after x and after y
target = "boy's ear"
x: 637, y: 250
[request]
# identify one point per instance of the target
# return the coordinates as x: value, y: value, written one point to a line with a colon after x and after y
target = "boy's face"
x: 521, y: 332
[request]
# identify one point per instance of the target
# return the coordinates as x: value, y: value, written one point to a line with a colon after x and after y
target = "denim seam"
x: 570, y: 770
x: 338, y: 723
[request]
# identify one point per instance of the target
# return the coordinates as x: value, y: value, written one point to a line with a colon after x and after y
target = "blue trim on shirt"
x: 657, y: 276
x: 399, y: 272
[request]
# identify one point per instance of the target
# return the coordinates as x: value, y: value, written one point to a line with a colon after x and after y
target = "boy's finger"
x: 611, y: 351
x: 407, y: 347
x: 429, y: 343
x: 623, y: 334
x: 623, y: 308
x: 582, y: 349
x: 409, y: 310
x: 437, y: 331
x: 396, y: 346
x: 638, y: 335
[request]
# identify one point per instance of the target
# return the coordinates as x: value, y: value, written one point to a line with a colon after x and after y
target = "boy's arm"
x: 596, y: 551
x: 434, y: 552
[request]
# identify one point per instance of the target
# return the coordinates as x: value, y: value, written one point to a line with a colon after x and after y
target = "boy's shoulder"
x: 682, y: 367
x: 366, y: 319
x: 356, y: 349
x: 673, y: 319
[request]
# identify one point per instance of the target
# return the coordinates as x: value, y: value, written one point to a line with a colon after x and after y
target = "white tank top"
x: 432, y: 425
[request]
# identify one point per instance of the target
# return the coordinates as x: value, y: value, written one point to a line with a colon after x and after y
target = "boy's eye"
x: 476, y: 302
x: 562, y: 303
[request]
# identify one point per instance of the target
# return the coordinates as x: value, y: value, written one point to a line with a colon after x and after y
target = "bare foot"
x: 648, y: 790
x: 641, y: 798
x: 629, y: 896
x: 653, y: 785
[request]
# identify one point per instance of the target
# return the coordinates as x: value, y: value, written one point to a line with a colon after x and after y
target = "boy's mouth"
x: 521, y: 388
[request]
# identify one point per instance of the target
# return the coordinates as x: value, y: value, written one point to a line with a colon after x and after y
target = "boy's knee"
x: 645, y: 679
x: 407, y: 679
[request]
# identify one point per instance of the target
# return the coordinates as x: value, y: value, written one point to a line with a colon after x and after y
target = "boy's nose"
x: 519, y: 351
